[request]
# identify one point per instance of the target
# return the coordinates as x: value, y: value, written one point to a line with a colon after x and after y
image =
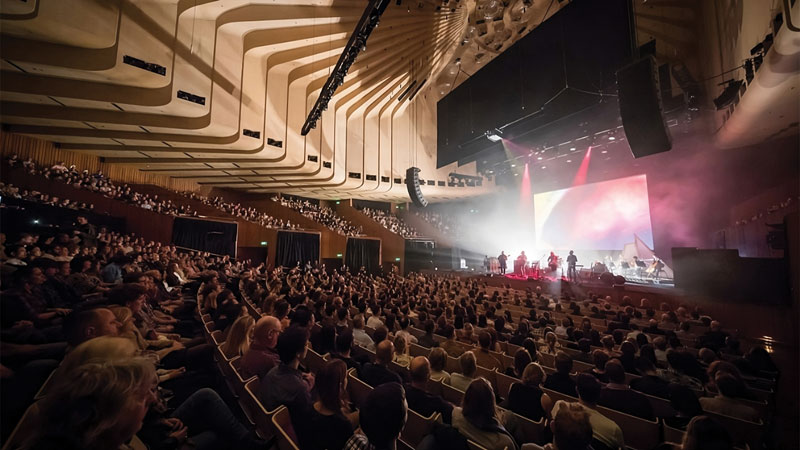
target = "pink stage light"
x: 583, y: 170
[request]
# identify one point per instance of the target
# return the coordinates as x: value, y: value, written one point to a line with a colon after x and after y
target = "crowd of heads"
x: 391, y: 222
x: 322, y: 214
x: 250, y: 213
x: 99, y: 183
x: 447, y: 224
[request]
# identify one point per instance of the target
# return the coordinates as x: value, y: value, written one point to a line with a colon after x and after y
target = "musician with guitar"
x: 572, y: 261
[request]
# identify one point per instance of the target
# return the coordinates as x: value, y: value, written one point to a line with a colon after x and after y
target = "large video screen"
x: 598, y: 216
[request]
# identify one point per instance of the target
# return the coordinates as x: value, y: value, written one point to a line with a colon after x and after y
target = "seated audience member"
x: 606, y: 434
x: 526, y: 398
x: 377, y: 373
x: 410, y: 338
x: 628, y: 357
x: 600, y: 358
x: 679, y: 364
x: 451, y: 346
x: 261, y: 356
x: 714, y: 338
x: 360, y: 337
x: 482, y: 355
x: 686, y: 406
x: 285, y: 384
x: 401, y: 355
x: 418, y: 399
x: 468, y: 366
x: 97, y: 405
x: 427, y: 340
x: 521, y: 334
x: 438, y: 359
x: 521, y: 360
x: 325, y: 340
x: 374, y: 320
x: 329, y: 423
x: 725, y: 402
x: 704, y: 433
x: 552, y: 346
x: 344, y: 347
x: 80, y: 326
x: 560, y: 381
x: 716, y: 367
x: 649, y: 382
x: 382, y: 418
x: 570, y: 427
x: 618, y: 396
x: 476, y: 419
x: 238, y: 340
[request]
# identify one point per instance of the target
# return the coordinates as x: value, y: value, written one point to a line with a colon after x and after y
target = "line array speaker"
x: 641, y: 109
x: 412, y: 183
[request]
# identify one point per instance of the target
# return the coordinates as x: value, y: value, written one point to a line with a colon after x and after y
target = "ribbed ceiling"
x: 258, y: 66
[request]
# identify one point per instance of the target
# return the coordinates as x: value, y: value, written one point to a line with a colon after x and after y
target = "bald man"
x: 262, y: 356
x: 418, y: 399
x: 377, y: 373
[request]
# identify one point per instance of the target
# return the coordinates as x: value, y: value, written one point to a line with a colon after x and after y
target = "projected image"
x: 598, y: 216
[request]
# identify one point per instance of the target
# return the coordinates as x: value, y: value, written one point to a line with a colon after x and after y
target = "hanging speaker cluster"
x: 640, y: 108
x: 412, y: 183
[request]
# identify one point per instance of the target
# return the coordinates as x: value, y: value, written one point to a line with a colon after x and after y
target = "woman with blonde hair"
x: 96, y: 406
x: 159, y: 348
x: 239, y: 336
x: 477, y: 418
x: 401, y: 355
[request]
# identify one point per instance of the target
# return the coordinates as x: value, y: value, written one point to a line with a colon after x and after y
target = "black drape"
x: 205, y: 235
x: 364, y: 253
x: 295, y: 247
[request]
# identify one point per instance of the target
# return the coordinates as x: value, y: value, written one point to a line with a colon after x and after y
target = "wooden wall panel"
x: 47, y: 153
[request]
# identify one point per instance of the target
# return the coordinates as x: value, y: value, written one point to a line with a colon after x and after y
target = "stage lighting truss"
x: 356, y: 44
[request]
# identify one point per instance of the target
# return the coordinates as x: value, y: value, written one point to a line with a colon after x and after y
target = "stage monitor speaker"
x: 607, y: 278
x: 619, y: 280
x: 412, y: 183
x: 641, y: 109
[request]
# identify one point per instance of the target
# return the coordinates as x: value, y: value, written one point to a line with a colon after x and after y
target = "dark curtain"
x: 205, y: 235
x: 296, y: 247
x: 364, y: 253
x: 419, y: 255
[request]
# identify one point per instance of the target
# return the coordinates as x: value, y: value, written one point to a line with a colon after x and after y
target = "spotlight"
x: 569, y: 160
x: 572, y: 149
x: 612, y: 138
x: 544, y: 167
x: 494, y: 135
x: 513, y: 165
x: 539, y: 158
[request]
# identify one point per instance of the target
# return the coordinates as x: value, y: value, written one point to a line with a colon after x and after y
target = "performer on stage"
x: 552, y: 262
x: 519, y: 265
x: 502, y: 260
x: 572, y: 261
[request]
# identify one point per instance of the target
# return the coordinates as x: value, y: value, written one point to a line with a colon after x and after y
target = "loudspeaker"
x: 619, y: 280
x: 641, y: 109
x: 412, y: 183
x: 607, y: 278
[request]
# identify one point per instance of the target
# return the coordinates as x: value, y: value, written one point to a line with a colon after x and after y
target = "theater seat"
x: 357, y: 389
x: 452, y: 394
x: 417, y: 427
x: 287, y: 439
x: 260, y: 415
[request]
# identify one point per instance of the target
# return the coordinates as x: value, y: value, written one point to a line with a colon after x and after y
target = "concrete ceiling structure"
x: 116, y: 79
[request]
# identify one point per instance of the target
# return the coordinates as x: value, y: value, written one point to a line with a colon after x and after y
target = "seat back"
x: 434, y: 388
x: 529, y: 431
x: 260, y: 415
x: 490, y: 375
x: 452, y: 365
x: 357, y: 389
x: 417, y: 427
x: 639, y: 433
x: 216, y: 338
x: 673, y: 434
x: 474, y: 445
x: 547, y: 360
x: 452, y: 394
x: 24, y: 429
x: 504, y: 383
x: 742, y: 431
x: 287, y: 439
x: 417, y: 350
x: 313, y: 361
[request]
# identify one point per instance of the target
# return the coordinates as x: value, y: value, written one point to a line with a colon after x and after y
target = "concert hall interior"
x: 400, y: 224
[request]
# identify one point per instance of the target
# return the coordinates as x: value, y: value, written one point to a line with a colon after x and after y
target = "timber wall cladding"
x: 46, y: 153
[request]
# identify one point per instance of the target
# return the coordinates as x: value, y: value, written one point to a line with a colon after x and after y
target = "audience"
x: 377, y: 373
x: 561, y: 381
x: 285, y: 384
x: 477, y: 418
x: 382, y: 419
x: 704, y: 433
x: 527, y: 398
x: 606, y: 434
x: 419, y: 400
x: 571, y: 428
x: 469, y: 367
x: 322, y: 214
x: 262, y: 356
x: 619, y: 396
x: 391, y: 223
x: 329, y: 423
